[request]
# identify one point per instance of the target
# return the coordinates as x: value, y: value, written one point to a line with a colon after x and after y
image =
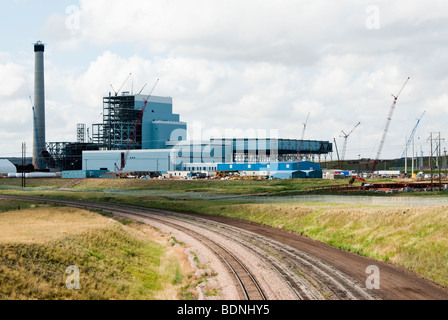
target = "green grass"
x: 178, y: 186
x: 11, y: 205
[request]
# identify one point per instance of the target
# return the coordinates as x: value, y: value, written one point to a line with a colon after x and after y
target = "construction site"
x: 141, y: 137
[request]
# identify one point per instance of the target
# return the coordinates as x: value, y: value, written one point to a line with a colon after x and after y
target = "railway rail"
x: 306, y: 277
x: 249, y: 287
x: 379, y: 186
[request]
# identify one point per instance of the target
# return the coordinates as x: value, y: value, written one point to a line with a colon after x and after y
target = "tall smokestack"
x: 39, y: 107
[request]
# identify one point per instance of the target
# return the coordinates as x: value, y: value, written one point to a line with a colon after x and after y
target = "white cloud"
x: 253, y: 64
x: 13, y: 80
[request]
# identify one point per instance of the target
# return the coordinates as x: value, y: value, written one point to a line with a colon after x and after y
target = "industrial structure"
x: 142, y: 135
x: 121, y: 114
x: 7, y: 167
x: 39, y: 107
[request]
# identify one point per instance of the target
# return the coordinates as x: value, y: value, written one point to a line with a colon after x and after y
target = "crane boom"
x: 303, y: 137
x: 412, y: 135
x: 304, y: 126
x: 116, y: 92
x: 389, y: 119
x: 35, y: 131
x: 346, y: 136
x: 143, y: 88
x: 410, y: 141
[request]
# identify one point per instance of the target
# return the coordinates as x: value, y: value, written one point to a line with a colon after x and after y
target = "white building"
x: 135, y: 161
x: 7, y: 167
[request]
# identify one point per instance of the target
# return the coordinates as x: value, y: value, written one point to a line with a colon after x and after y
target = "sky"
x: 250, y: 68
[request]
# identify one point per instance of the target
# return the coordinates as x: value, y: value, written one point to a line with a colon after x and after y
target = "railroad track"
x: 306, y: 277
x: 248, y: 285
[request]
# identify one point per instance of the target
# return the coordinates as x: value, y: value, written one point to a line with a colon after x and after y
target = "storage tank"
x: 35, y: 175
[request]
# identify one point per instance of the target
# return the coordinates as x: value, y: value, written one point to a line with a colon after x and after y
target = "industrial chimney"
x: 39, y: 107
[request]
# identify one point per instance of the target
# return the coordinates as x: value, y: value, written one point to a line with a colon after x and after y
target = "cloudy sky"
x: 250, y: 67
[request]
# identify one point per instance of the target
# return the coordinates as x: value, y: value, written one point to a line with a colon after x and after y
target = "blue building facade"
x: 159, y: 123
x: 279, y: 170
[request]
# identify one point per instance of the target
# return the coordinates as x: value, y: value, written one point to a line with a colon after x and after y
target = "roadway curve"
x: 311, y: 269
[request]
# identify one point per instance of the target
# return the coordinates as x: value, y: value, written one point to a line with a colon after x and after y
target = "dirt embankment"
x: 115, y: 260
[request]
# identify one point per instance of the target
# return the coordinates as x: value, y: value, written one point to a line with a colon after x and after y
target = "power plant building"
x: 121, y: 113
x: 141, y: 134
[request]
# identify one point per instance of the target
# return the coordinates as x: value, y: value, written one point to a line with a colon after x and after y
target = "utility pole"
x: 439, y: 157
x: 413, y: 152
x: 438, y: 141
x: 23, y: 164
x: 446, y: 176
x: 430, y: 164
x: 406, y: 160
x: 421, y: 157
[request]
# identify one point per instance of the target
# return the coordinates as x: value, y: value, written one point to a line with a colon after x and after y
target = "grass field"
x: 416, y: 238
x: 204, y: 186
x: 116, y: 261
x: 236, y: 187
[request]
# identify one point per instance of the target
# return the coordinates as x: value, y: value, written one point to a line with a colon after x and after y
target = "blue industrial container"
x: 83, y: 174
x: 315, y: 175
x: 270, y: 166
x: 230, y: 167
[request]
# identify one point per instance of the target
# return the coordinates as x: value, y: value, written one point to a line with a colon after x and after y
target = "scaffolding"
x: 67, y: 155
x: 81, y: 133
x: 279, y: 150
x: 119, y: 121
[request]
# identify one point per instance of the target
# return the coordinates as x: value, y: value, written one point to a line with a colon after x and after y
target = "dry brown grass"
x: 47, y: 224
x: 116, y: 261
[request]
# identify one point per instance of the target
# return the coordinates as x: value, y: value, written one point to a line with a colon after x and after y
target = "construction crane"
x: 386, y: 130
x: 304, y: 126
x: 116, y: 92
x: 36, y: 162
x: 346, y: 136
x: 303, y: 137
x: 143, y: 88
x: 411, y: 138
x: 138, y: 124
x: 352, y: 180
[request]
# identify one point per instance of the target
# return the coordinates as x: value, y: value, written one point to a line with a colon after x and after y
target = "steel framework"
x: 119, y: 124
x: 67, y: 155
x: 81, y: 133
